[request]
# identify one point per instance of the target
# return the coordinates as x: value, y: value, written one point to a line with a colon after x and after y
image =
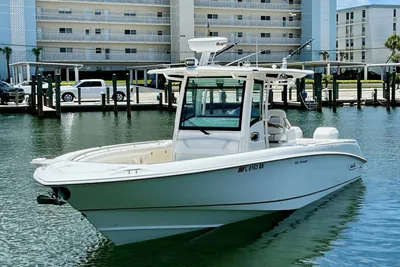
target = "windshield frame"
x: 195, y: 127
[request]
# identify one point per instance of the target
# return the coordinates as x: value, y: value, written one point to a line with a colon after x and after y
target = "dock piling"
x: 393, y: 103
x: 103, y: 100
x: 387, y: 91
x: 33, y: 94
x: 375, y: 96
x: 128, y: 96
x: 359, y: 90
x: 49, y: 91
x: 318, y: 90
x: 79, y: 95
x: 114, y: 83
x: 39, y: 96
x: 137, y: 94
x: 160, y: 99
x: 58, y: 96
x: 285, y: 96
x: 170, y: 96
x: 16, y: 97
x: 335, y: 87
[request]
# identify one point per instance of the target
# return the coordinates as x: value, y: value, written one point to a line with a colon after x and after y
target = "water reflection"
x: 280, y: 239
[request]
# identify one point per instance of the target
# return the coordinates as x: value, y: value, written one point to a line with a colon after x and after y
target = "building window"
x: 265, y: 18
x: 65, y: 11
x: 213, y: 33
x: 212, y: 16
x: 97, y: 31
x: 65, y: 49
x: 130, y: 50
x: 265, y: 1
x: 266, y: 52
x: 240, y: 1
x: 159, y: 32
x: 130, y: 32
x: 290, y: 2
x: 240, y: 51
x: 394, y: 13
x: 290, y: 35
x: 239, y: 17
x: 240, y: 34
x: 337, y: 43
x: 337, y: 17
x: 159, y: 15
x: 363, y: 41
x: 97, y: 11
x: 98, y: 50
x: 130, y: 13
x: 394, y: 26
x: 347, y: 43
x: 290, y: 18
x: 363, y: 13
x: 65, y: 30
x: 265, y: 35
x: 347, y: 16
x: 363, y: 55
x: 351, y: 43
x: 351, y: 56
x: 347, y: 29
x: 352, y: 15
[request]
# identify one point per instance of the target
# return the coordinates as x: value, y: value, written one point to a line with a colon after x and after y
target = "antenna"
x: 284, y: 60
x: 245, y: 57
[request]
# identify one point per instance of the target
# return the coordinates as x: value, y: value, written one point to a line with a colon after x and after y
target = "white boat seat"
x: 277, y: 128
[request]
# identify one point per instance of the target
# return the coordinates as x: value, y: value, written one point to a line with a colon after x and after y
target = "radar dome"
x: 208, y: 44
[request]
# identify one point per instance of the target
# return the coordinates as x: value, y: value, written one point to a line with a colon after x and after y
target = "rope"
x: 304, y: 103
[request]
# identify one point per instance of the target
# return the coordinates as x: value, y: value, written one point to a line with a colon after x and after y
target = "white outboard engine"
x: 326, y: 133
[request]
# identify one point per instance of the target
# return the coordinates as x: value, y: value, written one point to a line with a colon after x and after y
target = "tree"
x: 342, y: 56
x: 37, y: 51
x: 325, y: 55
x: 393, y: 43
x: 7, y: 51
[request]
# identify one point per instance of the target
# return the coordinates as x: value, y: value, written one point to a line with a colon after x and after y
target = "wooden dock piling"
x: 334, y: 91
x: 375, y: 96
x: 79, y: 95
x: 318, y: 90
x: 103, y: 100
x: 108, y: 94
x: 39, y: 96
x: 137, y: 94
x: 359, y: 90
x: 387, y: 79
x: 33, y: 94
x: 58, y: 96
x: 393, y: 103
x: 49, y: 91
x: 160, y: 100
x: 128, y: 96
x: 114, y: 84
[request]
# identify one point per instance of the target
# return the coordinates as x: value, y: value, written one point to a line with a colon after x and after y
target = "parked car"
x: 27, y: 86
x: 90, y: 89
x: 7, y: 93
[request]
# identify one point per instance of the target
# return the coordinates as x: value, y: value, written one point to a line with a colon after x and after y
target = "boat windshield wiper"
x: 195, y: 126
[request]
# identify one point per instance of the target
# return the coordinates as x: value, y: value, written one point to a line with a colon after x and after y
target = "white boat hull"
x: 134, y: 209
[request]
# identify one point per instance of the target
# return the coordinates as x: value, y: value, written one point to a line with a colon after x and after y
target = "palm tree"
x: 37, y: 51
x: 342, y: 56
x: 7, y: 52
x: 325, y: 55
x: 393, y: 43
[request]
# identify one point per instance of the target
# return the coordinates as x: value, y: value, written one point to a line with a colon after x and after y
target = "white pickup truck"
x: 90, y: 89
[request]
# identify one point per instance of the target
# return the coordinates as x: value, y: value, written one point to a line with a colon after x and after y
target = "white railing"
x: 61, y: 37
x: 273, y: 57
x: 137, y: 2
x: 246, y: 5
x: 120, y: 18
x: 252, y: 40
x: 112, y: 57
x: 247, y: 22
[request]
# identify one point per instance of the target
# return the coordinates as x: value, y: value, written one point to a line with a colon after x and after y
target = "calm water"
x: 358, y: 226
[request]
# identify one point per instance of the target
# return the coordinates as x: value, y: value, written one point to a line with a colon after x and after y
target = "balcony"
x: 112, y: 57
x: 128, y: 2
x: 246, y: 23
x: 251, y: 40
x: 74, y: 37
x: 140, y: 18
x: 247, y: 5
x: 273, y: 57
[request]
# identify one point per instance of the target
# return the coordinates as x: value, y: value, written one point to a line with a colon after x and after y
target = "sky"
x: 351, y: 3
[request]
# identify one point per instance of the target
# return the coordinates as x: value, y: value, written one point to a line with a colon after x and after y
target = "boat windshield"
x: 212, y: 103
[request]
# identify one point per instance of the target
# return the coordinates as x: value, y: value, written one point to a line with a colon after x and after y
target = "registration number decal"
x: 250, y: 168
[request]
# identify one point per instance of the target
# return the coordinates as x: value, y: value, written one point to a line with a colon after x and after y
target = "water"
x: 358, y: 226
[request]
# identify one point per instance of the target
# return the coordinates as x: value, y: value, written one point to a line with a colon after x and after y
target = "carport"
x: 21, y: 68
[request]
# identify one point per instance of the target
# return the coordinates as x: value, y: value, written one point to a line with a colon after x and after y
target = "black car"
x: 8, y: 93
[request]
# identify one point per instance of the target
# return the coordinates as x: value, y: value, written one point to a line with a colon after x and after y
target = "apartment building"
x: 17, y: 31
x: 362, y: 32
x: 114, y: 34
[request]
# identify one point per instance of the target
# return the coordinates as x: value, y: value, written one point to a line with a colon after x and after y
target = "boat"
x: 231, y: 158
